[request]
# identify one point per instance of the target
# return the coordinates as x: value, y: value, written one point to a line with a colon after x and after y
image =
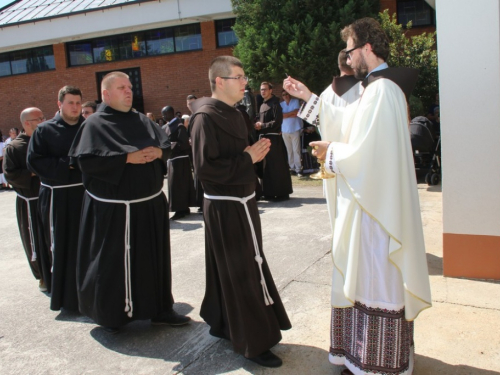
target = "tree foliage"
x: 298, y: 37
x: 413, y: 52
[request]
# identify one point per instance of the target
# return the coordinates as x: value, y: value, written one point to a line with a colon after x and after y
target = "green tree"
x: 298, y: 37
x: 413, y: 52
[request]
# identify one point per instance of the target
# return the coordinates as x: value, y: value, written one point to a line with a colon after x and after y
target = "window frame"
x: 218, y: 31
x: 431, y: 13
x: 120, y: 47
x: 19, y: 58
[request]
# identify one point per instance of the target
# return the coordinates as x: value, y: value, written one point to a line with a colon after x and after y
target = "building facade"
x: 164, y: 45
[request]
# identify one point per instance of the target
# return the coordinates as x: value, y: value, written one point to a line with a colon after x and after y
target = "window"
x: 418, y: 12
x: 225, y: 33
x: 135, y: 45
x: 187, y: 37
x: 5, y: 65
x: 160, y: 42
x: 80, y: 54
x: 27, y: 61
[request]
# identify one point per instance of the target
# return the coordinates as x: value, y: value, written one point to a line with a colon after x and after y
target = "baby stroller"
x: 309, y: 162
x: 426, y: 149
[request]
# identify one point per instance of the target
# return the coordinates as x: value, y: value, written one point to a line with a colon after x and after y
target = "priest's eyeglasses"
x: 349, y: 51
x: 39, y: 119
x: 239, y: 78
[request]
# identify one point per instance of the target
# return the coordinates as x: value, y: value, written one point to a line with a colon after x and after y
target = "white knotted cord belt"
x: 30, y: 225
x: 178, y: 157
x: 263, y: 135
x: 51, y: 215
x: 129, y: 307
x: 267, y: 297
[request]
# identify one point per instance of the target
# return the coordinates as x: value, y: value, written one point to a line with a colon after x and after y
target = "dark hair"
x: 368, y: 30
x: 16, y: 130
x: 189, y: 97
x: 269, y: 85
x: 72, y: 90
x: 220, y: 67
x: 90, y: 104
x: 342, y: 61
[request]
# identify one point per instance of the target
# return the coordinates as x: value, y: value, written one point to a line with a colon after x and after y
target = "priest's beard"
x: 361, y: 71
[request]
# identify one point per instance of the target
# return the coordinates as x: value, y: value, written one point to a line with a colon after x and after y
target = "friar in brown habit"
x: 241, y: 302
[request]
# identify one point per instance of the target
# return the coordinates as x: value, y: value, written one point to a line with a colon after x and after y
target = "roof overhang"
x: 111, y: 21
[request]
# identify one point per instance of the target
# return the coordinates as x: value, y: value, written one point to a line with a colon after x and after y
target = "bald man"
x: 123, y: 268
x: 27, y: 185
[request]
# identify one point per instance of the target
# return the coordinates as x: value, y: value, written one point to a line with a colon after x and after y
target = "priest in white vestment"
x: 380, y: 280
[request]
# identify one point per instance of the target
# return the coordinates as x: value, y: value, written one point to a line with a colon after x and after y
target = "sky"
x: 5, y: 2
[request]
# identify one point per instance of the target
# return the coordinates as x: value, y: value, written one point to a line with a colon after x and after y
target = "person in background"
x: 290, y: 131
x: 27, y: 185
x: 88, y: 108
x: 276, y: 181
x: 152, y: 117
x: 61, y: 194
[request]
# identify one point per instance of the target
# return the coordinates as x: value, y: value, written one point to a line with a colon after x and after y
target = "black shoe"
x: 293, y: 173
x: 282, y: 198
x: 110, y: 330
x: 267, y: 359
x: 218, y: 334
x: 171, y: 318
x: 179, y: 215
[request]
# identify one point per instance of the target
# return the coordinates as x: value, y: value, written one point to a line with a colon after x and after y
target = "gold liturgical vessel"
x: 321, y: 175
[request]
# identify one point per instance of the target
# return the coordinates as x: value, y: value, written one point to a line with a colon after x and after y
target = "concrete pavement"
x: 459, y: 335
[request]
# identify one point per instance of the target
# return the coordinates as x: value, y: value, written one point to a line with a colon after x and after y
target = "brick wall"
x: 166, y: 80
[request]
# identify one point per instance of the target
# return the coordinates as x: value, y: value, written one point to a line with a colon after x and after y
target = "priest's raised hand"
x: 297, y: 89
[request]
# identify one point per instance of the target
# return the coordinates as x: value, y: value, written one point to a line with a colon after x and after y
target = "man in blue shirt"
x: 291, y: 132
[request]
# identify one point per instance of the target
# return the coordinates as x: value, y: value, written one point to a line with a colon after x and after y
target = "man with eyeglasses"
x: 241, y: 302
x: 380, y: 280
x: 27, y: 185
x: 61, y: 194
x: 276, y: 181
x: 88, y: 108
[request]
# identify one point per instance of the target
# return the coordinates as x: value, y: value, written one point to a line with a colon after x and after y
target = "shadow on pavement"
x: 297, y: 359
x: 292, y: 202
x: 186, y: 227
x: 435, y: 265
x: 427, y: 365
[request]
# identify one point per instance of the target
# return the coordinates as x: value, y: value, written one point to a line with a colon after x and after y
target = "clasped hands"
x: 145, y: 155
x: 259, y: 149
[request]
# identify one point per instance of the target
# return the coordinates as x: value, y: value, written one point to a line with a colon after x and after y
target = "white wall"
x: 118, y: 20
x: 468, y: 39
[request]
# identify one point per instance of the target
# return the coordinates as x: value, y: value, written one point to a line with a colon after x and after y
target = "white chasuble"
x: 371, y: 154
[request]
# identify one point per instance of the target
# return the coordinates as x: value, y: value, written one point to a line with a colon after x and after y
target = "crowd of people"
x: 94, y: 220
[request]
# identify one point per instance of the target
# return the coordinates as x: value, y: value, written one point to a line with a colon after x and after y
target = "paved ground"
x: 458, y: 336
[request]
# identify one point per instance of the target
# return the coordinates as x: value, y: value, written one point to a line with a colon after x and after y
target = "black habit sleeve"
x: 14, y: 168
x: 43, y: 163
